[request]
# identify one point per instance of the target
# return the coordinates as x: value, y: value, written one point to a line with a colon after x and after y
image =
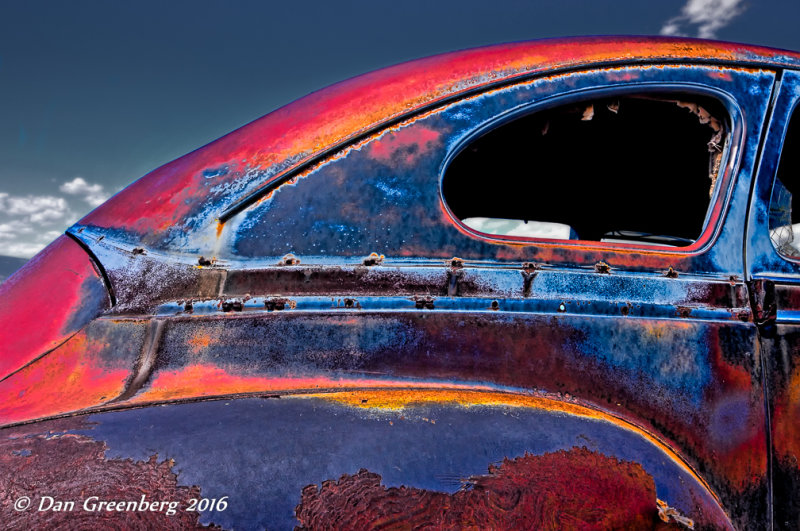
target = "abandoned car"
x: 550, y: 284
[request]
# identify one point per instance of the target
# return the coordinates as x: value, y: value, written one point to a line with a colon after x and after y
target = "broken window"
x: 784, y: 213
x: 633, y: 168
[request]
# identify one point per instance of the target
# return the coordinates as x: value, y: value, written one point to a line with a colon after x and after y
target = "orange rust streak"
x: 69, y: 379
x: 209, y: 380
x: 200, y: 341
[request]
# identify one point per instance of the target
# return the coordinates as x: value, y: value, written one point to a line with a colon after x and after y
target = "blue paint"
x: 211, y: 173
x: 674, y: 360
x: 94, y: 300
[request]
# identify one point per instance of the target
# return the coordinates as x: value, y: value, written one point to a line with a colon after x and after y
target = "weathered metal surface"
x: 47, y: 301
x: 353, y: 276
x: 762, y: 258
x: 441, y: 443
x: 377, y: 201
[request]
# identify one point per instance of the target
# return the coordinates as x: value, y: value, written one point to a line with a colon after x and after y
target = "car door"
x: 773, y: 263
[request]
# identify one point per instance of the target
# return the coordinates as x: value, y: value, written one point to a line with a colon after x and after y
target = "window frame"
x: 718, y: 202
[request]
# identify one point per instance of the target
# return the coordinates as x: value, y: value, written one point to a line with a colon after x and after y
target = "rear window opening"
x: 636, y: 168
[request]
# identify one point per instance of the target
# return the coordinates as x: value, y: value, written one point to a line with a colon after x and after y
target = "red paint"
x: 41, y: 302
x: 405, y: 145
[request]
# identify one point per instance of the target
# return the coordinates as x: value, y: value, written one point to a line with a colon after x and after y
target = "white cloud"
x: 36, y: 208
x: 32, y: 204
x: 29, y: 222
x: 22, y: 249
x: 707, y: 16
x: 15, y: 227
x: 91, y: 193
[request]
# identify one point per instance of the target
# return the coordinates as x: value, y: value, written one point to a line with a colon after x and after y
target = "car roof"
x: 191, y: 193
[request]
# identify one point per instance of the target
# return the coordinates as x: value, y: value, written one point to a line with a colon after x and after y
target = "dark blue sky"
x: 107, y: 91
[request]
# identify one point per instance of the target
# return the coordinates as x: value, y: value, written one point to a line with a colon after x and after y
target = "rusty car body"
x: 343, y: 315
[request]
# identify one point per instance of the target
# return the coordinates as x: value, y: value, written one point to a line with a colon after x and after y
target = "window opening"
x: 784, y: 212
x: 636, y: 168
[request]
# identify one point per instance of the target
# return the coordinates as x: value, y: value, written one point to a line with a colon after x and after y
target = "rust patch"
x: 278, y: 304
x: 405, y: 146
x: 668, y: 514
x: 602, y: 268
x: 424, y: 303
x: 529, y: 272
x: 69, y: 467
x: 232, y: 306
x: 289, y: 260
x: 574, y: 489
x: 201, y: 341
x: 374, y: 259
